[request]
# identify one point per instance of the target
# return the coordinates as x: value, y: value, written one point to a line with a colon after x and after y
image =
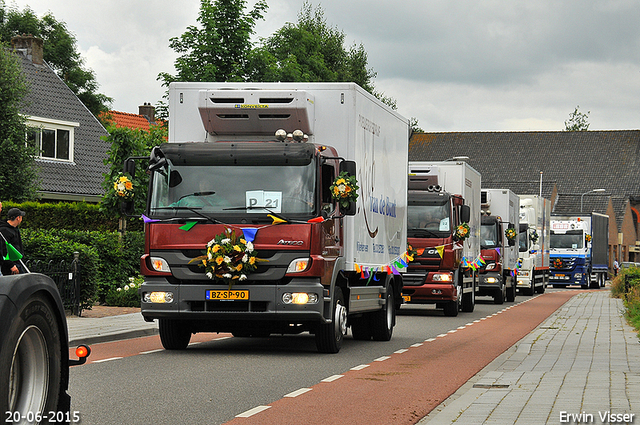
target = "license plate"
x: 227, y: 295
x: 559, y: 275
x: 407, y: 298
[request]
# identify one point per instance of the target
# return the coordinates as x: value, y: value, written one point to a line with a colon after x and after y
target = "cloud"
x: 455, y: 65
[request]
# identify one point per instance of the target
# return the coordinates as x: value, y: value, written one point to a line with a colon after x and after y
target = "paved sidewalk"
x: 85, y: 330
x: 584, y: 360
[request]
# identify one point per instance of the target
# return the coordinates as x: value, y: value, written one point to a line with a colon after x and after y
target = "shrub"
x: 39, y: 244
x: 127, y: 295
x: 627, y: 286
x: 112, y: 260
x: 69, y: 215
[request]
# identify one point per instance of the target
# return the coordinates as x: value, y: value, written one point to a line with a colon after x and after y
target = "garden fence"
x: 66, y: 276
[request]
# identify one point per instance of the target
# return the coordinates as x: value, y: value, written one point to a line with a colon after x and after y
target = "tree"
x: 217, y: 49
x: 18, y: 172
x: 60, y: 52
x: 127, y: 142
x: 577, y: 121
x: 310, y: 50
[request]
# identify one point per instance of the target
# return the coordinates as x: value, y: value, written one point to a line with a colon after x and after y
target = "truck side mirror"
x: 465, y: 213
x: 157, y: 159
x: 350, y: 168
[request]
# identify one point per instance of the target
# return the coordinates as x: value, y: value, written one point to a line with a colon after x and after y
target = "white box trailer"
x: 535, y: 216
x: 343, y: 259
x: 501, y: 208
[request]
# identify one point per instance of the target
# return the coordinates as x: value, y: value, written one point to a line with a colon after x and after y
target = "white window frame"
x: 51, y: 124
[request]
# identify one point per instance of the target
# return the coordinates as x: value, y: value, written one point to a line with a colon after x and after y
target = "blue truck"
x: 579, y: 250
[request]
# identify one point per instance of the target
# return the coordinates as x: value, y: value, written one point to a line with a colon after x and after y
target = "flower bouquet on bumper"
x: 229, y: 257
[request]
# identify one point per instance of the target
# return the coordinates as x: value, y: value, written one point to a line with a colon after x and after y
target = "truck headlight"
x: 158, y: 297
x: 299, y: 298
x: 159, y: 264
x: 523, y: 273
x: 491, y: 280
x: 298, y: 265
x: 442, y: 277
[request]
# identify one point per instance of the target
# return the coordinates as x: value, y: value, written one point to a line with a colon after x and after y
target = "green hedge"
x: 627, y: 286
x: 68, y: 215
x: 107, y: 261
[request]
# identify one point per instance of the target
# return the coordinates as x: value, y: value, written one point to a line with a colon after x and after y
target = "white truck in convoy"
x: 443, y: 218
x: 533, y: 270
x: 579, y: 250
x: 256, y: 168
x: 499, y: 244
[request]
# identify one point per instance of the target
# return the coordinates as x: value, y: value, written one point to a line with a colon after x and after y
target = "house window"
x: 52, y: 139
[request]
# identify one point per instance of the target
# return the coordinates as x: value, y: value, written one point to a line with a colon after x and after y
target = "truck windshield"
x: 572, y: 239
x: 489, y: 235
x: 432, y: 219
x: 233, y: 190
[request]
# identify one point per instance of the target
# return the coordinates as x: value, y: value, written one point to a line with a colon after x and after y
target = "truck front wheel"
x: 174, y: 335
x: 329, y: 337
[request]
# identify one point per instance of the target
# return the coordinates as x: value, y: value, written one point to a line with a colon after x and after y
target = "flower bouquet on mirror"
x: 344, y: 189
x: 124, y: 186
x: 533, y: 236
x: 229, y: 257
x: 411, y: 253
x: 587, y: 238
x: 462, y: 231
x: 510, y: 233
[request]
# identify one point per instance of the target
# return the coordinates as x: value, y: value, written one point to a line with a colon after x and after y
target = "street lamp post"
x: 592, y: 190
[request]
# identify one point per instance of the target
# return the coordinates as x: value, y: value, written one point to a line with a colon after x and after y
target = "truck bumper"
x: 568, y: 278
x: 419, y: 288
x: 524, y: 280
x: 489, y: 283
x: 262, y: 302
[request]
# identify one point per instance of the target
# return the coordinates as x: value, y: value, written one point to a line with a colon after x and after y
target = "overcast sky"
x: 455, y: 65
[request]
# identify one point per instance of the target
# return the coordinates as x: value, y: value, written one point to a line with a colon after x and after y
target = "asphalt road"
x: 219, y: 377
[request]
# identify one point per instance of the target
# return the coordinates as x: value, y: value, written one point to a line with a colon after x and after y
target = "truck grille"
x: 410, y: 279
x: 229, y: 306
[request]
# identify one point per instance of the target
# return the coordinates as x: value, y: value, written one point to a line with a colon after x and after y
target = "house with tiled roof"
x: 143, y: 120
x: 70, y: 151
x: 569, y: 164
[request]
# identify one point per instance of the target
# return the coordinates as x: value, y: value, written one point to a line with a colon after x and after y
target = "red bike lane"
x: 405, y: 386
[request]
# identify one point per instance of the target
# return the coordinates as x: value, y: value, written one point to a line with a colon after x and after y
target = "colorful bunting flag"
x: 12, y: 253
x: 188, y: 226
x: 276, y: 220
x: 249, y: 233
x: 147, y: 219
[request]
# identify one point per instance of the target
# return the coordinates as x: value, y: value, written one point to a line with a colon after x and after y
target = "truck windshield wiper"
x: 193, y: 210
x: 196, y: 194
x: 421, y: 230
